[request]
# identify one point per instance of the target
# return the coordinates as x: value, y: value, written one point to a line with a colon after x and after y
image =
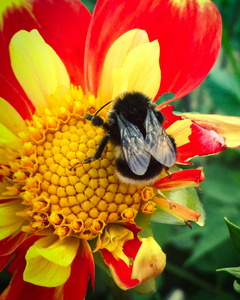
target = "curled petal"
x: 49, y: 261
x: 113, y: 240
x: 227, y: 127
x: 181, y: 179
x: 24, y: 289
x: 120, y: 270
x: 150, y: 260
x: 201, y: 142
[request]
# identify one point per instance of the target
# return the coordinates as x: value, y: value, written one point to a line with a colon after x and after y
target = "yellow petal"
x: 228, y: 127
x: 36, y: 66
x: 115, y: 59
x: 49, y: 261
x: 10, y: 223
x: 42, y: 272
x: 142, y: 71
x: 11, y: 123
x: 8, y: 139
x: 10, y: 118
x: 150, y: 260
x: 131, y: 64
x: 180, y: 131
x: 60, y: 252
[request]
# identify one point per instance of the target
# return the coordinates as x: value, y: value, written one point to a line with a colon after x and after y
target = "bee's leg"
x: 188, y: 224
x: 99, y: 150
x: 166, y: 170
x: 96, y: 121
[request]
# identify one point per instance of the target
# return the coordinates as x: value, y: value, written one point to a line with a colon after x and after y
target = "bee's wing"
x: 158, y: 143
x: 133, y: 146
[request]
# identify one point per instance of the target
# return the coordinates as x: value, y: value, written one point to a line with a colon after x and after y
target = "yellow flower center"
x: 60, y: 192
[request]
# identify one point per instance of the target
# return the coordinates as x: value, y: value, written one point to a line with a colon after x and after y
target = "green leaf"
x: 224, y: 90
x: 236, y: 286
x: 235, y: 271
x: 235, y: 236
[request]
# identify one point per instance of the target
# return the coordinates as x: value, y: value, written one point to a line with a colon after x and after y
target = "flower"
x: 59, y: 62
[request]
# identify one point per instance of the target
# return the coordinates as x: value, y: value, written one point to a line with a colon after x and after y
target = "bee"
x: 142, y: 146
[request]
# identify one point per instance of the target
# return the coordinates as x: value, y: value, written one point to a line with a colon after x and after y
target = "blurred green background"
x: 194, y: 255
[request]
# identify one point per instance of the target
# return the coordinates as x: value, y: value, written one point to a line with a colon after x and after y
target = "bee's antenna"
x: 102, y: 107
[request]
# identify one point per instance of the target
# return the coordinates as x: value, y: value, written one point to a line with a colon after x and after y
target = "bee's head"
x: 133, y: 106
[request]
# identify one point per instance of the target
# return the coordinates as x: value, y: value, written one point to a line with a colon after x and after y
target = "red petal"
x: 189, y: 34
x: 4, y: 260
x: 185, y: 178
x: 18, y: 288
x: 120, y: 271
x: 202, y: 142
x: 169, y: 117
x: 20, y: 253
x: 82, y: 267
x: 63, y: 24
x: 9, y: 244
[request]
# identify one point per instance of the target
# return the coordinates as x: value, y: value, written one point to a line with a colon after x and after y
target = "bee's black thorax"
x: 133, y: 106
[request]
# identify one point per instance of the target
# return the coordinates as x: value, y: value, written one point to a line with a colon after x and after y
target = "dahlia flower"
x: 59, y: 62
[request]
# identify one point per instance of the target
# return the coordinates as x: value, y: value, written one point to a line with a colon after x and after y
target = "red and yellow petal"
x: 227, y: 127
x: 177, y: 210
x: 24, y: 289
x: 120, y: 270
x: 169, y: 117
x: 181, y: 179
x: 72, y: 19
x: 8, y: 246
x: 183, y: 63
x: 191, y: 139
x: 129, y: 61
x: 150, y: 260
x: 49, y: 261
x: 37, y: 67
x: 82, y: 267
x: 201, y: 142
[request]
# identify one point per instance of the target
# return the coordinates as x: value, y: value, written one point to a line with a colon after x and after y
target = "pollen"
x: 59, y: 191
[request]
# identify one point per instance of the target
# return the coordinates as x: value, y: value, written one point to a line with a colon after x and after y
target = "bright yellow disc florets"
x: 70, y: 200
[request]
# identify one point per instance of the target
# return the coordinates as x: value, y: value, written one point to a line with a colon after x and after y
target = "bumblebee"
x: 142, y: 146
